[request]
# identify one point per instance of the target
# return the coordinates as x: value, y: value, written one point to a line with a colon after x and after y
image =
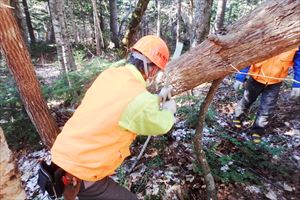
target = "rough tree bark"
x: 19, y: 63
x: 202, y: 19
x: 220, y: 14
x: 64, y: 50
x: 270, y: 29
x: 201, y: 158
x: 28, y: 21
x: 10, y: 184
x: 136, y: 18
x: 114, y: 26
x: 97, y: 29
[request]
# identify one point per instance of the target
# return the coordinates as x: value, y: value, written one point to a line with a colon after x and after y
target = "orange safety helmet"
x: 154, y: 48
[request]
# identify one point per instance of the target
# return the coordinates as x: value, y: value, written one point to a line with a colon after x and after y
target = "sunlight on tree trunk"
x: 178, y: 21
x: 20, y: 66
x: 158, y: 23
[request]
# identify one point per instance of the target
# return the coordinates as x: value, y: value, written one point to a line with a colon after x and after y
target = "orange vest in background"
x: 276, y: 66
x: 92, y: 145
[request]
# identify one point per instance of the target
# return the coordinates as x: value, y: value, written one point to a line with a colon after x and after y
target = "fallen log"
x: 272, y: 28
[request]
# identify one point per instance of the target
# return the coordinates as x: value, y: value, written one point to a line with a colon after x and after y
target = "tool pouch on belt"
x: 50, y: 179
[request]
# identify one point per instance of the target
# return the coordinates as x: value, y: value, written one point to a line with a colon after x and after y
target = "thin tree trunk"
x: 191, y: 24
x: 64, y: 50
x: 220, y: 14
x: 243, y: 45
x: 73, y: 30
x: 21, y: 20
x: 178, y: 21
x: 136, y: 18
x: 202, y: 19
x: 19, y: 63
x: 201, y: 158
x: 114, y: 27
x: 158, y: 22
x: 50, y: 30
x: 98, y: 34
x: 28, y: 20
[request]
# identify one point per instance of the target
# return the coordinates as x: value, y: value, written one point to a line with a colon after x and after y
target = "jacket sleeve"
x: 297, y: 69
x: 144, y: 117
x: 241, y: 77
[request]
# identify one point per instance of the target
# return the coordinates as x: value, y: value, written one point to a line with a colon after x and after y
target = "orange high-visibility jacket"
x: 276, y: 67
x: 96, y: 139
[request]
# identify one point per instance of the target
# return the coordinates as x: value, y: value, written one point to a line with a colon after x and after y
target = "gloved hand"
x: 165, y: 93
x: 169, y: 105
x: 295, y: 93
x: 238, y: 85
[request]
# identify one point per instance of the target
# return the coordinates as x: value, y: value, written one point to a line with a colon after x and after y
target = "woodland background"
x: 71, y: 42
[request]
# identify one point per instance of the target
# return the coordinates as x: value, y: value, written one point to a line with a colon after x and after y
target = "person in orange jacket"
x: 96, y: 139
x: 265, y: 78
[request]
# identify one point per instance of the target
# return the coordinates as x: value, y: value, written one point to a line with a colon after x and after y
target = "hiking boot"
x: 256, y: 135
x: 237, y: 123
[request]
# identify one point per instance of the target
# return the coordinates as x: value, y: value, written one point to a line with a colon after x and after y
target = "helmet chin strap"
x: 145, y: 60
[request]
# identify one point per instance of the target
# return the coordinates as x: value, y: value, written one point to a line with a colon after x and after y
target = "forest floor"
x: 168, y: 169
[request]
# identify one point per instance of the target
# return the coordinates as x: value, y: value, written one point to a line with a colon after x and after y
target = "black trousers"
x: 105, y: 189
x: 269, y: 96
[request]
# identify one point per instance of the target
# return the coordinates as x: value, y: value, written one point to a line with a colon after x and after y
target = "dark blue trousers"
x: 269, y: 96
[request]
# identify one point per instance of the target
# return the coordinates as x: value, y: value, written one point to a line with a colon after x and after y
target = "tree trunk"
x: 178, y: 21
x: 202, y: 19
x: 64, y: 50
x: 220, y: 14
x: 28, y: 20
x: 98, y: 33
x: 50, y: 30
x: 269, y: 30
x: 10, y: 184
x: 158, y: 23
x: 136, y: 18
x: 21, y: 21
x: 201, y: 157
x: 191, y: 23
x: 19, y: 63
x: 114, y: 27
x: 73, y: 30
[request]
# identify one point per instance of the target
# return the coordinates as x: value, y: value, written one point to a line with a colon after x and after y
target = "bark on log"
x: 270, y: 29
x: 19, y: 63
x: 10, y: 185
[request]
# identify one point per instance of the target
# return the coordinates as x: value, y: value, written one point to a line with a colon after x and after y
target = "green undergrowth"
x: 13, y: 118
x: 243, y: 161
x: 189, y: 110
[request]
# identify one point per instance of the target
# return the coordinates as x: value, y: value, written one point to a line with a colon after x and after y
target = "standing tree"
x: 64, y: 50
x: 21, y: 20
x: 98, y: 34
x: 28, y: 20
x: 114, y: 27
x: 19, y: 63
x: 220, y: 14
x: 158, y: 22
x: 202, y: 19
x: 178, y: 21
x: 136, y: 18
